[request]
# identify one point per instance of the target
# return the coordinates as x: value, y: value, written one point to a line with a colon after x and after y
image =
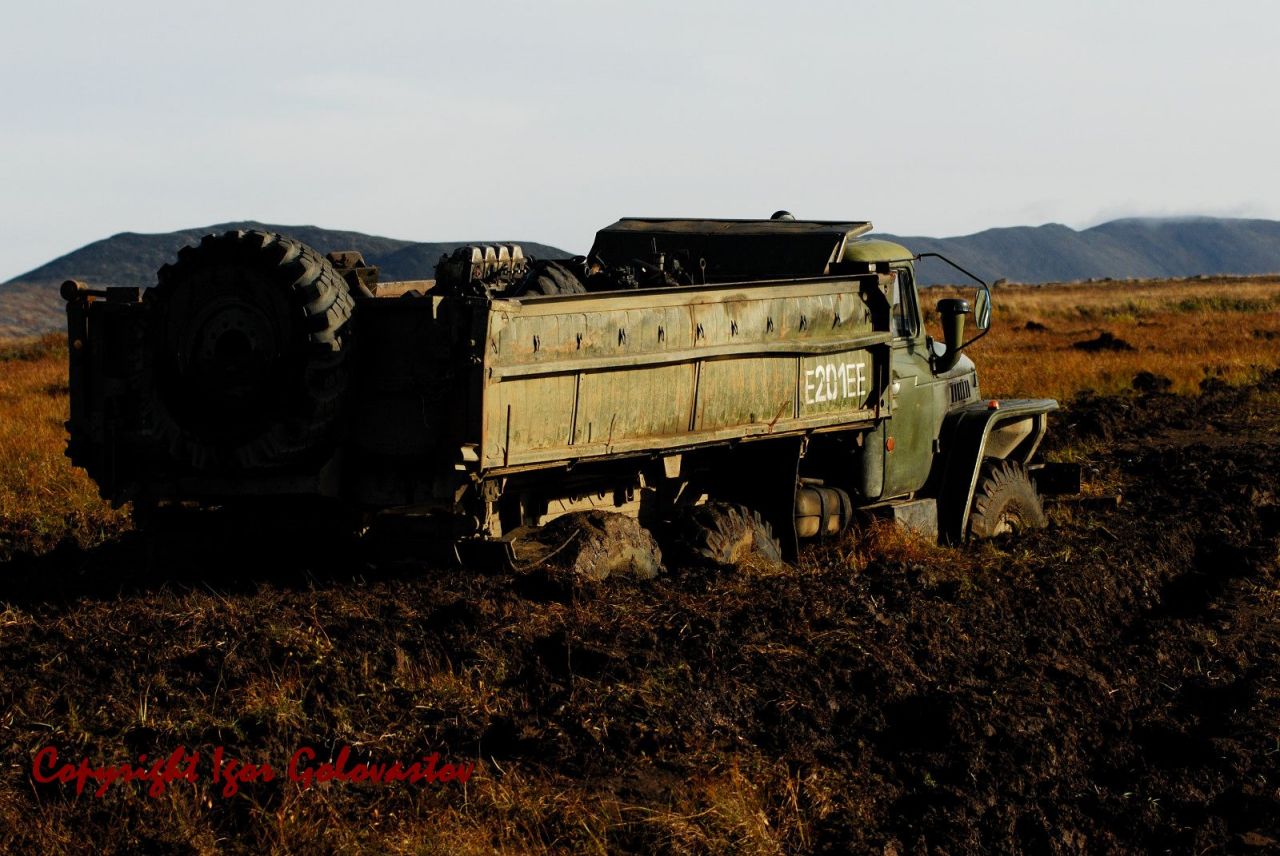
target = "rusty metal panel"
x: 746, y: 392
x: 529, y: 415
x: 584, y: 375
x: 614, y: 406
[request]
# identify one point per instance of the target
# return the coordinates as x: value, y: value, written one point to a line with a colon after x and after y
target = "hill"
x: 1121, y: 249
x: 29, y: 303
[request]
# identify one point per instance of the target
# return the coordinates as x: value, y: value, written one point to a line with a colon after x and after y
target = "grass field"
x: 43, y: 500
x: 1185, y: 330
x: 1111, y: 684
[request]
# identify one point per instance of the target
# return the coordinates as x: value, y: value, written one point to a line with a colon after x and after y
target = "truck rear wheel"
x: 727, y: 535
x: 1005, y: 501
x: 248, y: 353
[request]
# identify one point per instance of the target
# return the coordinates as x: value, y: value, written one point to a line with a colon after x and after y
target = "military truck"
x: 757, y: 382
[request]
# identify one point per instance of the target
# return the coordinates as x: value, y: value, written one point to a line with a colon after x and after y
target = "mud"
x: 1111, y: 684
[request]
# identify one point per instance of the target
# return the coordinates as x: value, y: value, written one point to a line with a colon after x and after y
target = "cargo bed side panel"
x: 590, y: 375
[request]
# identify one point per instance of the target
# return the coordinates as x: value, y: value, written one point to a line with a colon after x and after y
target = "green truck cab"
x: 765, y: 378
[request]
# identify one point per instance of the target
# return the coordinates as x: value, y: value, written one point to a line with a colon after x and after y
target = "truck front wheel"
x: 1005, y: 501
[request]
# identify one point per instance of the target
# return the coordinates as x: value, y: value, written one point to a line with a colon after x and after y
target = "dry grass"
x: 1185, y: 330
x: 43, y: 500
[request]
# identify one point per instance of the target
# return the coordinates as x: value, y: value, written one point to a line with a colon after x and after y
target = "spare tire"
x: 547, y: 277
x: 248, y: 346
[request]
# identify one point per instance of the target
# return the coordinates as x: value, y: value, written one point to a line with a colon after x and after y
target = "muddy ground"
x: 1111, y: 684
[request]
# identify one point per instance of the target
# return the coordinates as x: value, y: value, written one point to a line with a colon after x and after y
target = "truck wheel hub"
x: 234, y: 347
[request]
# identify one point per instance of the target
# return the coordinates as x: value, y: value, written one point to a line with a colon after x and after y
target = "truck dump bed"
x: 592, y: 375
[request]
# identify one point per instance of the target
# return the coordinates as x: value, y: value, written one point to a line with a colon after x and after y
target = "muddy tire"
x: 1005, y: 501
x: 552, y: 278
x: 727, y: 535
x: 592, y: 545
x: 248, y: 349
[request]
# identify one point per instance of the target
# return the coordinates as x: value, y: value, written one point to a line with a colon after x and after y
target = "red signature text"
x: 229, y: 774
x: 427, y: 770
x: 178, y: 766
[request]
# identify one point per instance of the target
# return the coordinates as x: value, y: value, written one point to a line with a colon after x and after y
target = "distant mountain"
x: 1121, y: 249
x: 30, y: 303
x: 1132, y: 248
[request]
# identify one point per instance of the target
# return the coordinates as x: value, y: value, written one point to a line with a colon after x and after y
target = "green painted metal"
x: 875, y: 250
x: 968, y: 431
x: 591, y: 375
x: 917, y: 408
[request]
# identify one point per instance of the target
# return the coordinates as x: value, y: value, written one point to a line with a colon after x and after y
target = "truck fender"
x: 1010, y: 431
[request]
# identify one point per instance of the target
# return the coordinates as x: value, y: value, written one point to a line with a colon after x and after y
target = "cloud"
x: 1251, y: 209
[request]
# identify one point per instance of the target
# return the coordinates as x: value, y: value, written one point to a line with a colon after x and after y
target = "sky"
x: 545, y: 121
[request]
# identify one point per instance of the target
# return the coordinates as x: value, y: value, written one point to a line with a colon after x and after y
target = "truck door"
x: 909, y: 432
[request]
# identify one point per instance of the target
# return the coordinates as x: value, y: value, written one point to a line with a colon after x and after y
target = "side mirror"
x: 982, y: 309
x: 952, y: 311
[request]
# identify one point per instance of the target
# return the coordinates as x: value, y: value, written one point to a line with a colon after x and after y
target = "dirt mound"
x: 1105, y: 341
x: 1149, y: 382
x: 1109, y: 684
